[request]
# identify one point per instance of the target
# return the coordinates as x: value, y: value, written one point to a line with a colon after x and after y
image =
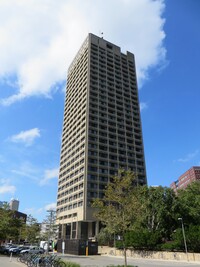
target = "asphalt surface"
x: 103, y: 261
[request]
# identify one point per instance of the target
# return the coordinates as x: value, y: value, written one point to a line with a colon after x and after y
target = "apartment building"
x: 101, y: 132
x: 191, y: 175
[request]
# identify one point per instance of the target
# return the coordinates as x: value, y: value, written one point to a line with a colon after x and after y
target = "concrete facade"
x: 101, y: 132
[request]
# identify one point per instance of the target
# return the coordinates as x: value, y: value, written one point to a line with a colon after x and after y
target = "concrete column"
x: 63, y: 233
x: 71, y: 231
x: 96, y: 228
x: 89, y: 229
x: 78, y: 230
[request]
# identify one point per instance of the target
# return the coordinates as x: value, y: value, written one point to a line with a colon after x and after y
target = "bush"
x: 71, y: 264
x: 122, y: 266
x: 143, y: 239
x: 104, y: 238
x: 170, y: 246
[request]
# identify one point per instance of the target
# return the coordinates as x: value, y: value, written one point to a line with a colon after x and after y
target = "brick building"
x: 191, y: 175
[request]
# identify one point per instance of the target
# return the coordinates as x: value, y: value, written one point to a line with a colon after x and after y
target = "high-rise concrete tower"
x: 14, y: 204
x: 101, y: 132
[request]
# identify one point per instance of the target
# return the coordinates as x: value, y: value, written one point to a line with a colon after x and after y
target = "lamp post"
x: 50, y: 225
x: 183, y: 230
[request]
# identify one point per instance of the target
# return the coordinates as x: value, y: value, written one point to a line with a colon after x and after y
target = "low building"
x: 191, y: 175
x: 20, y: 215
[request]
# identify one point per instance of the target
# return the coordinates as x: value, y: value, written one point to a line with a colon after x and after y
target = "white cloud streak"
x: 51, y: 206
x: 6, y: 187
x: 49, y: 175
x: 143, y: 106
x: 189, y: 157
x: 26, y: 137
x: 40, y: 38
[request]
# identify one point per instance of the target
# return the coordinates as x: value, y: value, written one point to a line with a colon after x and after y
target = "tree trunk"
x: 125, y: 257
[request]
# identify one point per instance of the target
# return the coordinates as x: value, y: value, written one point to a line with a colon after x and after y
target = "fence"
x: 160, y: 255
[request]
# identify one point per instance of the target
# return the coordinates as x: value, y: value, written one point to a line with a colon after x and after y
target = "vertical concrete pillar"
x: 71, y: 230
x: 78, y: 230
x: 96, y: 228
x: 63, y: 233
x: 89, y: 229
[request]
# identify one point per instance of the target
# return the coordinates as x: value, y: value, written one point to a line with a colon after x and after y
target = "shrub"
x: 122, y: 266
x: 71, y: 264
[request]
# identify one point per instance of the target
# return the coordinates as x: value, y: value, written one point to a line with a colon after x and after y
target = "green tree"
x: 5, y: 221
x: 158, y: 210
x: 120, y: 205
x: 31, y: 230
x: 193, y: 238
x: 189, y: 204
x: 105, y: 238
x: 9, y: 225
x: 141, y: 238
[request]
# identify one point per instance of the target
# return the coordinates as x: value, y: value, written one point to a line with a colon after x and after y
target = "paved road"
x: 103, y: 261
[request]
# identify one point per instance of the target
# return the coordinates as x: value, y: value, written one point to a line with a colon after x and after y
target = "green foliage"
x: 122, y: 266
x: 120, y: 206
x: 143, y: 238
x: 193, y: 238
x: 116, y: 209
x: 192, y: 234
x: 104, y: 237
x: 169, y: 246
x: 71, y: 264
x: 9, y: 225
x: 189, y: 203
x: 158, y: 206
x: 147, y: 217
x: 32, y: 230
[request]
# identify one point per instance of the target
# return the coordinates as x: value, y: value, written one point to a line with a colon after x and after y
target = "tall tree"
x: 189, y: 204
x: 158, y: 206
x: 120, y: 205
x: 5, y: 221
x: 31, y: 230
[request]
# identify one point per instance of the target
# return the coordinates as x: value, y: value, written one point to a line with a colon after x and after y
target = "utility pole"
x: 51, y: 221
x: 184, y: 238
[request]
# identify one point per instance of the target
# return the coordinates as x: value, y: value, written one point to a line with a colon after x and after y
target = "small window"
x: 109, y: 46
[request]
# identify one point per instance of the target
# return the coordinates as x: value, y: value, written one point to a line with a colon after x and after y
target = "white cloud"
x: 51, y: 206
x: 34, y: 211
x: 27, y: 170
x: 6, y: 188
x: 26, y: 137
x: 40, y: 38
x: 189, y: 156
x: 143, y: 106
x: 49, y: 175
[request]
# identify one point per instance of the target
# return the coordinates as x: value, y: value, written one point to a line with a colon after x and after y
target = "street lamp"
x: 50, y: 225
x: 183, y: 230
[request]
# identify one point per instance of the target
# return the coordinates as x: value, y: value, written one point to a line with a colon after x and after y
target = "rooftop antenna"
x: 101, y: 33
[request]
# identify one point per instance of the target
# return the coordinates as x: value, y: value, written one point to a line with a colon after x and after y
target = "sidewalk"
x: 6, y: 261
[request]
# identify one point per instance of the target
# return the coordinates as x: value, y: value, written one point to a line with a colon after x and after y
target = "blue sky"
x: 38, y: 40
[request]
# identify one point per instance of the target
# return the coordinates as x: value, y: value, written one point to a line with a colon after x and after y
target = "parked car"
x: 18, y: 249
x: 36, y: 250
x: 7, y: 248
x: 2, y: 249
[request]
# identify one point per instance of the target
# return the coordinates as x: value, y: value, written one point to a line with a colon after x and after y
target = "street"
x: 103, y: 261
